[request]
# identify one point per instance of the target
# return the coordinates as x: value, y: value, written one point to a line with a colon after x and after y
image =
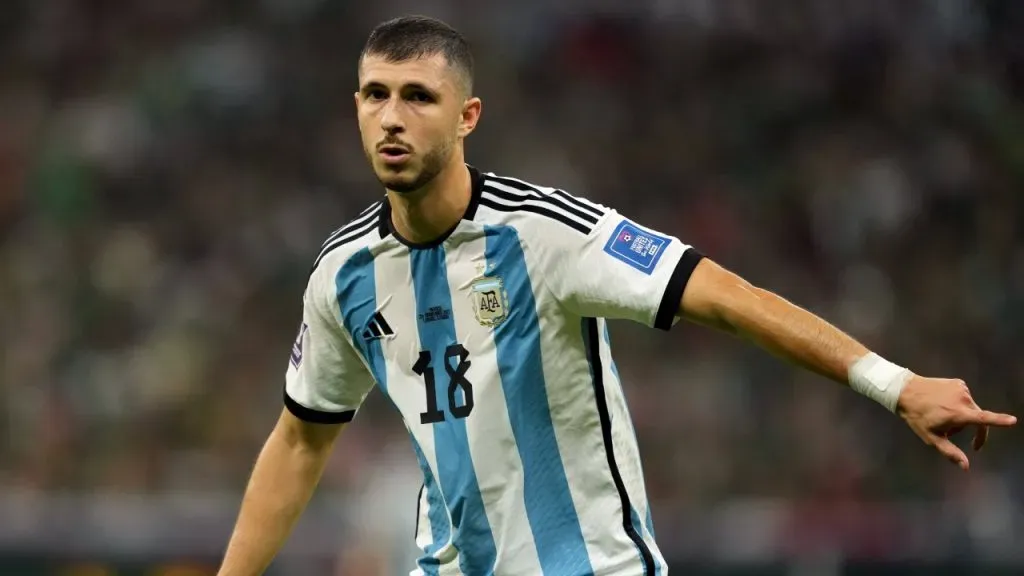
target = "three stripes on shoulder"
x: 506, y: 194
x: 366, y: 221
x: 500, y: 193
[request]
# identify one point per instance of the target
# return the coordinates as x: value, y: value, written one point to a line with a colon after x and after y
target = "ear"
x: 355, y: 98
x: 471, y: 111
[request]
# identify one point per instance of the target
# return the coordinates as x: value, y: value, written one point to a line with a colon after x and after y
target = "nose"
x: 391, y: 119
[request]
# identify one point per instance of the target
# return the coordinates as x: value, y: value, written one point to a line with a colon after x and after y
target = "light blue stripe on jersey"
x: 549, y: 506
x: 356, y: 286
x: 658, y: 571
x: 650, y: 521
x: 471, y: 529
x: 440, y: 529
x: 357, y: 298
x: 634, y: 517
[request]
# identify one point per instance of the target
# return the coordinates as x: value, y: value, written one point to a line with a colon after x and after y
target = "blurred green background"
x: 168, y: 170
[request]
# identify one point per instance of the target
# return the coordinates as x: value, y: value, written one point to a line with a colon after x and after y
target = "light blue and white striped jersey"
x: 492, y: 343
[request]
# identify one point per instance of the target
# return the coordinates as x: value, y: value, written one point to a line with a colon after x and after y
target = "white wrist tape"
x: 879, y: 379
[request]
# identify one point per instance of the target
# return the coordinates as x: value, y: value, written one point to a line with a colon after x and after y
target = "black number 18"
x: 457, y: 379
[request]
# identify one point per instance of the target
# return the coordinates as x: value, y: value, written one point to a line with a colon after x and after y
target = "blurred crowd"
x: 168, y: 170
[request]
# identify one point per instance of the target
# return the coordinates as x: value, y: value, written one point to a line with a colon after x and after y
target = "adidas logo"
x: 377, y: 328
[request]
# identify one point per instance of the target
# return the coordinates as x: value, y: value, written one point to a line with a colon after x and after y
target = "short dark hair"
x: 411, y: 37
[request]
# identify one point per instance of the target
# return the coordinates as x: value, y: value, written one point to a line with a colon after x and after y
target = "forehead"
x: 432, y: 71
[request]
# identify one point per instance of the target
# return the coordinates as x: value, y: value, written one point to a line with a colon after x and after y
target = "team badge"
x: 490, y: 302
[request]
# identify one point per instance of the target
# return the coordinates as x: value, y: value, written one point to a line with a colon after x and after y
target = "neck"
x: 428, y: 213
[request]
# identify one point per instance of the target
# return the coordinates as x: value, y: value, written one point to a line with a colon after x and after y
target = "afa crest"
x: 490, y: 302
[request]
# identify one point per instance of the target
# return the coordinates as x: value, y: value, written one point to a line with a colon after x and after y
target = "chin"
x: 401, y: 181
x: 412, y: 175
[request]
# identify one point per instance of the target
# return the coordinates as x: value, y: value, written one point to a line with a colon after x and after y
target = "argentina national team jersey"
x: 492, y: 342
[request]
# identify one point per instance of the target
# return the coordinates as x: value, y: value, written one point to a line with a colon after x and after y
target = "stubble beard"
x: 432, y: 165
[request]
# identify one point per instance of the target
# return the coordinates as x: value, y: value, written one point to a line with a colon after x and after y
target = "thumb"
x: 952, y: 452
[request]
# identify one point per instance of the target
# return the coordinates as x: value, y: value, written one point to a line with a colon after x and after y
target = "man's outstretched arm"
x: 934, y: 408
x: 287, y: 471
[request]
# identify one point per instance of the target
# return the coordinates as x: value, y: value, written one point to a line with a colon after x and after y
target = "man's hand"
x: 934, y: 408
x: 937, y: 408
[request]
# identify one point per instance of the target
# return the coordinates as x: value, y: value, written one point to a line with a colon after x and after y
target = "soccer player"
x: 478, y: 305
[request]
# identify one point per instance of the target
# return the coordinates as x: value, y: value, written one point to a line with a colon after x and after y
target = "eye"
x: 376, y: 94
x: 421, y: 96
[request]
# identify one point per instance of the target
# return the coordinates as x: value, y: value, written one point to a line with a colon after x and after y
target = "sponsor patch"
x: 638, y: 248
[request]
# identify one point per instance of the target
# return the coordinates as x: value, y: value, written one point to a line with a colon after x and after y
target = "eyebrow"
x: 407, y: 86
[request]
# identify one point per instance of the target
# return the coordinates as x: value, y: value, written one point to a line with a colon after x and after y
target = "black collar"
x: 385, y: 226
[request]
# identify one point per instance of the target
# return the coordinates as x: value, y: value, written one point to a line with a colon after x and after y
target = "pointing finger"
x: 985, y: 417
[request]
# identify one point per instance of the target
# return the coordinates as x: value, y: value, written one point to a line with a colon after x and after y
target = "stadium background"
x: 168, y: 169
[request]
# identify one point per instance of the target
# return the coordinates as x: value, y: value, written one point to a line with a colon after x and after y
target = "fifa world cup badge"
x: 490, y: 302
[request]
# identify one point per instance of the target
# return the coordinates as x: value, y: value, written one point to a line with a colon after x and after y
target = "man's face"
x: 411, y: 116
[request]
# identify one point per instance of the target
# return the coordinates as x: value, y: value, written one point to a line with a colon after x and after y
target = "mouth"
x: 393, y: 154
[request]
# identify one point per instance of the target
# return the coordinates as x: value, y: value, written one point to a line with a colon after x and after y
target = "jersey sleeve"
x: 326, y: 380
x: 619, y: 269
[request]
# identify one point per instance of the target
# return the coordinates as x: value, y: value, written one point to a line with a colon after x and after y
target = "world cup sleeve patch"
x: 638, y: 248
x: 296, y: 356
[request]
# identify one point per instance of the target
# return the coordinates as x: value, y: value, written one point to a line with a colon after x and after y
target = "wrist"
x: 879, y: 379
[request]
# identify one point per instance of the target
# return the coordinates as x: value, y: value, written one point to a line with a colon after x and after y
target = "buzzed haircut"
x: 411, y: 37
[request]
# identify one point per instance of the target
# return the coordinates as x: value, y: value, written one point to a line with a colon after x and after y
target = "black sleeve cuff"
x: 316, y: 416
x: 674, y: 291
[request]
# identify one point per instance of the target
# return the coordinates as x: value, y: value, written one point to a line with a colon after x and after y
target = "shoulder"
x: 345, y: 242
x: 522, y: 204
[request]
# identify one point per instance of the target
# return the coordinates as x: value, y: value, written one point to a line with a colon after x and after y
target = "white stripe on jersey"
x: 578, y: 433
x: 396, y: 304
x: 495, y: 455
x: 627, y: 452
x: 423, y: 536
